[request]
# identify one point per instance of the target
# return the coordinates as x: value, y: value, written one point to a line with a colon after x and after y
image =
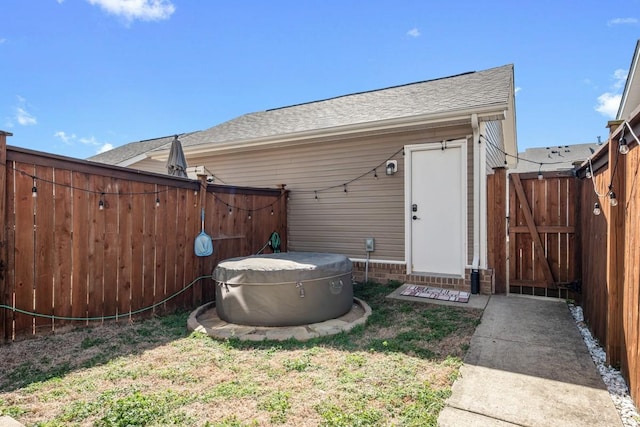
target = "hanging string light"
x: 596, y: 208
x: 157, y: 202
x: 612, y: 197
x: 540, y: 177
x: 375, y: 174
x: 34, y: 189
x: 101, y: 202
x: 623, y: 148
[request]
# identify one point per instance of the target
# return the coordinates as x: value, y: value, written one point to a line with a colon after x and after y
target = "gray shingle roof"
x: 554, y: 158
x: 443, y: 95
x: 439, y: 96
x: 133, y: 149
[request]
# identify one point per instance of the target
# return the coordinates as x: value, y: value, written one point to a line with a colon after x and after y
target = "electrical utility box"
x: 369, y: 244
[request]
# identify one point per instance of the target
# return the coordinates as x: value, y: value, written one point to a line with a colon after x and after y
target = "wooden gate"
x: 543, y: 245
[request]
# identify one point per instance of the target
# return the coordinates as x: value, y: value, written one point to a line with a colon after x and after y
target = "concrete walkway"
x: 528, y: 366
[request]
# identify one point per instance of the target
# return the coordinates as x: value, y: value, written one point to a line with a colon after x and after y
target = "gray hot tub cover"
x: 282, y: 267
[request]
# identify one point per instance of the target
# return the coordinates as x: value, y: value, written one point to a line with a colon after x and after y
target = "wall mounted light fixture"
x: 392, y: 167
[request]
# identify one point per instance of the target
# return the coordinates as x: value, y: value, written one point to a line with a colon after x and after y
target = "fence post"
x: 4, y: 299
x: 201, y: 261
x: 497, y: 227
x: 615, y: 253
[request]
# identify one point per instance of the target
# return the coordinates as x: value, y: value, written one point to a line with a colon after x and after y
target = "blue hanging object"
x: 203, y: 245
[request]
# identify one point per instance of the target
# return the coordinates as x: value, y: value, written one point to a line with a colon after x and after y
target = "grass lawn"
x: 396, y: 370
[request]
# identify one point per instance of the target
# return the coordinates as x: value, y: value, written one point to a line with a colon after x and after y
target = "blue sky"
x: 80, y: 76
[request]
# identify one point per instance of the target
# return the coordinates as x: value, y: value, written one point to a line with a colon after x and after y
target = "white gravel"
x: 612, y: 378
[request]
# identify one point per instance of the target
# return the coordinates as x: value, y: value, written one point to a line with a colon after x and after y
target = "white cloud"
x: 105, y: 147
x: 622, y: 21
x: 67, y: 139
x: 608, y: 104
x: 72, y: 139
x: 24, y: 117
x: 60, y: 1
x: 131, y: 10
x: 89, y: 141
x: 517, y: 89
x: 620, y: 78
x: 414, y: 32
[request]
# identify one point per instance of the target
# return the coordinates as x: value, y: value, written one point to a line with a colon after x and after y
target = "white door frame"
x: 409, y: 150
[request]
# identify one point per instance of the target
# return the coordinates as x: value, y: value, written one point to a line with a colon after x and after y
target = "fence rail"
x: 87, y: 241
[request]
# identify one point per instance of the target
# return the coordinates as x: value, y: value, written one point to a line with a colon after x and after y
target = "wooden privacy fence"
x: 543, y: 234
x: 611, y: 257
x: 82, y: 243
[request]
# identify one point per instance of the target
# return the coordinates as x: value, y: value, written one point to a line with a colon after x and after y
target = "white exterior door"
x: 436, y: 208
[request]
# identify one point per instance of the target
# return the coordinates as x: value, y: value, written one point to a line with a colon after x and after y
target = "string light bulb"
x: 34, y: 189
x: 612, y: 198
x: 375, y: 173
x: 623, y: 148
x: 230, y: 210
x: 157, y: 202
x: 271, y: 211
x: 596, y: 209
x: 345, y: 188
x: 588, y: 174
x: 249, y: 215
x: 101, y: 202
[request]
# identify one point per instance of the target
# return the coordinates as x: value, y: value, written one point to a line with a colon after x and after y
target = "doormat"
x: 435, y: 293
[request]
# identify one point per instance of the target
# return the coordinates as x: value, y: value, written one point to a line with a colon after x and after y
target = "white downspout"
x: 476, y: 191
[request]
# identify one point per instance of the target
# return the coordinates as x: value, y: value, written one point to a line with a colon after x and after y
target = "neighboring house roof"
x: 464, y: 93
x: 554, y: 158
x: 631, y: 95
x: 133, y: 152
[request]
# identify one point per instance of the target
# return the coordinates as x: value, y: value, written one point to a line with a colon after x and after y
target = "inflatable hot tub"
x: 283, y: 289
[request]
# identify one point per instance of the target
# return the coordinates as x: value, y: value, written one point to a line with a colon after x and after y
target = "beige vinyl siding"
x: 337, y: 221
x: 495, y: 148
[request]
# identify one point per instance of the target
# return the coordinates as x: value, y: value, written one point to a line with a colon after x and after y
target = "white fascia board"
x: 489, y: 112
x: 630, y: 93
x: 132, y: 160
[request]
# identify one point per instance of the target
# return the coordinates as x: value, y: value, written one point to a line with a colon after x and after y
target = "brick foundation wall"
x: 381, y: 272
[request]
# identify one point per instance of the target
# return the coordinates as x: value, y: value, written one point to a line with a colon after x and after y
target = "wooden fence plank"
x: 63, y: 244
x: 45, y: 249
x: 149, y: 246
x: 161, y: 224
x: 137, y: 246
x: 171, y: 213
x: 96, y: 267
x: 180, y: 254
x: 79, y: 289
x: 10, y: 280
x: 111, y: 248
x: 124, y: 248
x: 24, y: 248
